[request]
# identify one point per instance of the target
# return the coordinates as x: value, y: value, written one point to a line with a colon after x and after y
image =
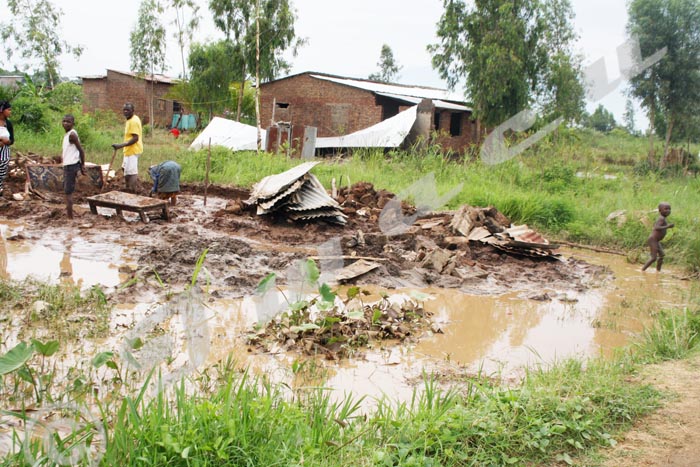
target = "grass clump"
x: 62, y: 311
x: 672, y: 336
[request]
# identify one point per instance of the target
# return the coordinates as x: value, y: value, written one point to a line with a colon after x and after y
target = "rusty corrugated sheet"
x: 272, y: 185
x: 298, y: 194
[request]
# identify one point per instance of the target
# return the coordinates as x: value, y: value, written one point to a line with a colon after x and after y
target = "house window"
x: 282, y: 105
x: 389, y: 110
x: 436, y: 121
x: 177, y: 107
x: 455, y: 124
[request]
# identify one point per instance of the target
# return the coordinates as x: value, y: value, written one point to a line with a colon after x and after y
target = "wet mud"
x: 242, y: 247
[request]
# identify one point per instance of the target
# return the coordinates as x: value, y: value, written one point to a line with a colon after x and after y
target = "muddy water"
x: 495, y: 335
x: 60, y: 256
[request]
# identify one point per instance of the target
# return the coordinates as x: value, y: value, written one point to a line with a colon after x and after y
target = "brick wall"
x: 334, y: 109
x: 442, y: 120
x: 112, y: 92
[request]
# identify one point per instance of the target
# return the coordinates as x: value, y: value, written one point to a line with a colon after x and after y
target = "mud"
x: 242, y: 247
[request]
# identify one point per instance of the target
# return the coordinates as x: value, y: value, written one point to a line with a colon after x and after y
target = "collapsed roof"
x: 229, y: 134
x: 297, y: 194
x: 236, y: 136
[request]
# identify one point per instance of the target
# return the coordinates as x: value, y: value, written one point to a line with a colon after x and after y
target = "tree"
x: 211, y: 75
x: 562, y: 93
x: 388, y: 68
x: 36, y: 33
x: 147, y: 39
x: 510, y: 54
x: 628, y: 117
x: 670, y: 89
x: 148, y: 44
x: 601, y: 120
x: 184, y: 24
x: 237, y: 20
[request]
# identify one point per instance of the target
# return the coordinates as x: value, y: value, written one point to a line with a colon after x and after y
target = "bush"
x: 555, y: 214
x: 32, y: 114
x: 66, y: 98
x: 558, y: 177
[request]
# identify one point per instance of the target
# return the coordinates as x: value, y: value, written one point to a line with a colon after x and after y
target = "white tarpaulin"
x: 230, y: 134
x: 387, y: 134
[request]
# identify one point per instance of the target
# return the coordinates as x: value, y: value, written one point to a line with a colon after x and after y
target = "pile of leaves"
x: 336, y: 327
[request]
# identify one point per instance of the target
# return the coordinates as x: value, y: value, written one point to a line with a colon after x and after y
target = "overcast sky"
x: 344, y: 37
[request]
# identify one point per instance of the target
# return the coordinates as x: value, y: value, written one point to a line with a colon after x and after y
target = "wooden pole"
x: 257, y: 74
x: 206, y: 176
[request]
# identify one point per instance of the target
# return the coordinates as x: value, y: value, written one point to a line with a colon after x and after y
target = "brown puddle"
x: 60, y: 255
x: 494, y: 335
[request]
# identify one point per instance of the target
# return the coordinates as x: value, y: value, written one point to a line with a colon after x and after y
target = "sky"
x: 343, y: 38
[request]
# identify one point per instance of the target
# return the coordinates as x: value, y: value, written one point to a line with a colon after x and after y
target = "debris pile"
x: 490, y: 226
x: 297, y: 194
x: 363, y: 195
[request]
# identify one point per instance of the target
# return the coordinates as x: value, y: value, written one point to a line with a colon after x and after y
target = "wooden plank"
x: 121, y: 201
x: 356, y: 269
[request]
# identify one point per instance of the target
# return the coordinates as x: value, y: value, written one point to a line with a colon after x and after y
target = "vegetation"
x: 223, y: 416
x: 147, y: 40
x: 186, y: 22
x: 601, y: 120
x: 388, y: 68
x: 510, y: 56
x: 670, y: 89
x: 35, y: 32
x: 258, y: 34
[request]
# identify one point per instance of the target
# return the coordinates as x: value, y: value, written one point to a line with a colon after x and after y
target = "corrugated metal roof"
x: 440, y: 104
x: 296, y: 193
x: 389, y: 133
x: 271, y: 185
x: 158, y: 78
x: 414, y: 91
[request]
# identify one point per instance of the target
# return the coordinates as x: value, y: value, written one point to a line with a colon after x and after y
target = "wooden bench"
x: 122, y: 201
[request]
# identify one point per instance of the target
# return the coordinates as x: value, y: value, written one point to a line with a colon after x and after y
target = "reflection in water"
x: 3, y: 257
x: 65, y: 265
x: 62, y: 257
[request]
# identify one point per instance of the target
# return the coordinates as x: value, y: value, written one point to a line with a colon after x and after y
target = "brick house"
x: 337, y: 105
x: 111, y: 91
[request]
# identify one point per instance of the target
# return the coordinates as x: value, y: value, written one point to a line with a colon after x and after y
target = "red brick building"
x: 111, y: 91
x: 337, y: 105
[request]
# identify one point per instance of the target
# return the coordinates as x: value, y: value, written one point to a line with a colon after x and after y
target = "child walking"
x: 657, y: 234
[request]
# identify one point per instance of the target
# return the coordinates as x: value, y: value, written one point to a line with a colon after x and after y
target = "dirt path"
x: 670, y: 437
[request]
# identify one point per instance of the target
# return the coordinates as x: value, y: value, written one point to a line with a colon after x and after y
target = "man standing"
x: 133, y: 147
x: 73, y: 161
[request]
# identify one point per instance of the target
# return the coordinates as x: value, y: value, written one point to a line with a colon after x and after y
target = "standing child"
x: 73, y: 161
x: 657, y: 234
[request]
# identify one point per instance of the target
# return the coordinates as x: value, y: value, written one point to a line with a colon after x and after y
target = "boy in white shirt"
x: 73, y: 161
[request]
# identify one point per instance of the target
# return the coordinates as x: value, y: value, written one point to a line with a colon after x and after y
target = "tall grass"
x: 672, y: 336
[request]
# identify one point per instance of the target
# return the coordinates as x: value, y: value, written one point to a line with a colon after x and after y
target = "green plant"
x: 672, y: 336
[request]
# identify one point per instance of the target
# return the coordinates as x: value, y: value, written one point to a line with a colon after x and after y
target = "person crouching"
x: 166, y: 180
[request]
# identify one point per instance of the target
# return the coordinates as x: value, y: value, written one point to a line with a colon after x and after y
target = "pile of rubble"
x: 297, y: 194
x: 488, y: 225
